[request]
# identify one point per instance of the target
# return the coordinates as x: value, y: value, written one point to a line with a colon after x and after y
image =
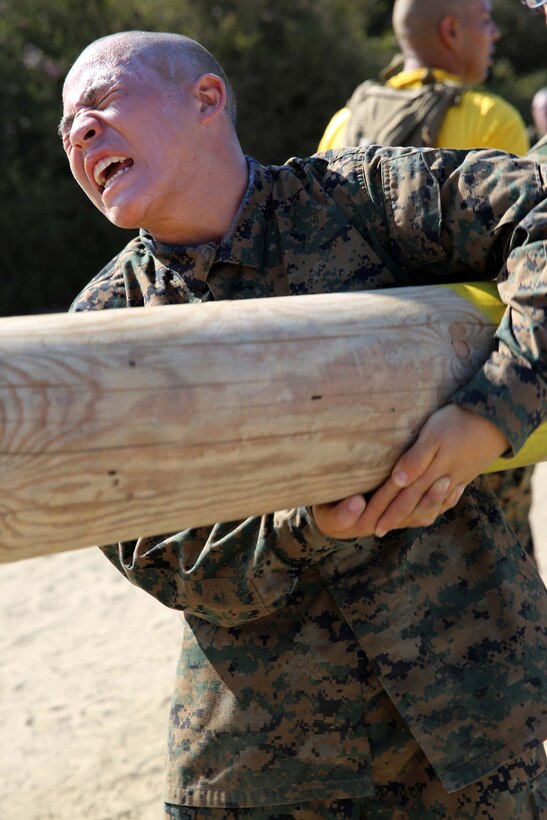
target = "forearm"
x: 228, y: 573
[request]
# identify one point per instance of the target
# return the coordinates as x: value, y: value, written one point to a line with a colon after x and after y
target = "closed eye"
x: 91, y: 100
x: 103, y: 102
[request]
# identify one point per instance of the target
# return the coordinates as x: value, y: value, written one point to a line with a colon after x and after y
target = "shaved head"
x: 171, y: 57
x: 415, y: 21
x: 457, y: 36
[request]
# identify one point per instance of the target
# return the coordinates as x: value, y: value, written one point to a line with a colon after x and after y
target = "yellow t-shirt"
x: 480, y: 120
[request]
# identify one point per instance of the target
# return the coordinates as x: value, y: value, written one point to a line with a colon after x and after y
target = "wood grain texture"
x: 127, y: 423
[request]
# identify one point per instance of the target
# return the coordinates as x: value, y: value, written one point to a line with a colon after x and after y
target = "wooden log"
x: 128, y: 423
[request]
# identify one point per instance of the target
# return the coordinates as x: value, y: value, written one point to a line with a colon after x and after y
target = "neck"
x: 206, y: 213
x: 413, y: 63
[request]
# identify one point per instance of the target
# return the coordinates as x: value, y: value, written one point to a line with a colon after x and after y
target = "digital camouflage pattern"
x: 300, y: 651
x: 413, y: 116
x: 514, y: 491
x: 514, y: 792
x: 514, y: 487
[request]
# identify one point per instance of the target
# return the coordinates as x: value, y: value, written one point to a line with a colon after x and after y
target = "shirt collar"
x: 243, y: 243
x: 415, y: 77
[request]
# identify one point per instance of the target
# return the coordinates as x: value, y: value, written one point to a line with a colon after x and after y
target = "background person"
x: 447, y: 46
x: 326, y: 672
x: 537, y: 4
x: 539, y: 112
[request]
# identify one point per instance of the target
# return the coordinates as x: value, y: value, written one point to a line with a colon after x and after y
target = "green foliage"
x: 292, y: 63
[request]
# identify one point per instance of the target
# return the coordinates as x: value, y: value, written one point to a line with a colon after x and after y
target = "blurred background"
x: 293, y: 63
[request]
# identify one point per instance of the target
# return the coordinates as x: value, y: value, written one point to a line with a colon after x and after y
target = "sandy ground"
x: 87, y: 663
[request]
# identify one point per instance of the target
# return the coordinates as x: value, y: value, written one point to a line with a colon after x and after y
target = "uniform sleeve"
x: 335, y: 132
x: 229, y: 573
x: 479, y: 215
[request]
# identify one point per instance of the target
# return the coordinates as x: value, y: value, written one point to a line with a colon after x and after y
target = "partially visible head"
x: 539, y: 111
x: 458, y: 36
x: 145, y: 116
x: 537, y: 4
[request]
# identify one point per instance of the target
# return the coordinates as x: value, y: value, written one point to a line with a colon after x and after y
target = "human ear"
x: 449, y: 31
x: 211, y: 94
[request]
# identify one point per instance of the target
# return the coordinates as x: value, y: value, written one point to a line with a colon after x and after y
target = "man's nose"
x: 85, y: 128
x: 496, y: 33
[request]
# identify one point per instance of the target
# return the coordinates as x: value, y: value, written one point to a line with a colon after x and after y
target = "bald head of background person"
x: 458, y: 36
x: 183, y: 182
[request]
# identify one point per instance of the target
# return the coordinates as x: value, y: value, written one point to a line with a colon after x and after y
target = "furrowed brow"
x: 88, y: 98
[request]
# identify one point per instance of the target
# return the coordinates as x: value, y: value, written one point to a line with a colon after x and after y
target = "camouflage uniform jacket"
x: 287, y: 632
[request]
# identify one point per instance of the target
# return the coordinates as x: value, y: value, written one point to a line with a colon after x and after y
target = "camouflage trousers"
x: 406, y: 787
x: 513, y: 489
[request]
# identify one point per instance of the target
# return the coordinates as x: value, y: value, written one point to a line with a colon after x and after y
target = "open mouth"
x: 110, y: 168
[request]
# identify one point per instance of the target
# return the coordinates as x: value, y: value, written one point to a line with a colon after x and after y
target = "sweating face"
x: 479, y: 33
x: 132, y: 138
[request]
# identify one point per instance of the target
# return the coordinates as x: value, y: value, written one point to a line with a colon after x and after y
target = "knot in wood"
x: 461, y: 348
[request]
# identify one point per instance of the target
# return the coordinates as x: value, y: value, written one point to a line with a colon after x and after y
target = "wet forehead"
x: 87, y: 72
x: 82, y: 88
x: 95, y: 70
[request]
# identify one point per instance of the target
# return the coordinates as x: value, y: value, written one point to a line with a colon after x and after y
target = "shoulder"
x: 339, y: 168
x: 491, y: 122
x: 485, y: 102
x: 358, y: 181
x: 351, y: 168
